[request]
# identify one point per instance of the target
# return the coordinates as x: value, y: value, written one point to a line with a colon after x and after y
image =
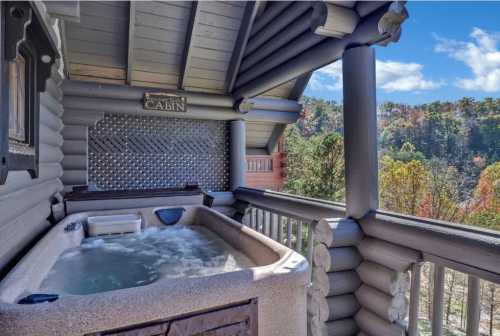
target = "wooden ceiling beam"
x: 299, y: 86
x: 186, y: 60
x: 131, y: 33
x: 251, y: 10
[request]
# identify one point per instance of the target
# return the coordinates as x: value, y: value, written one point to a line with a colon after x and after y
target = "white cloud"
x: 391, y: 76
x: 481, y: 55
x: 398, y: 76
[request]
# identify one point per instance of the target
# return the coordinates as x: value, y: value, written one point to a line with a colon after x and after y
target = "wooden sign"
x: 164, y: 102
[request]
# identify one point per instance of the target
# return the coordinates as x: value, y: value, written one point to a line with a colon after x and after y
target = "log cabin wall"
x: 25, y: 203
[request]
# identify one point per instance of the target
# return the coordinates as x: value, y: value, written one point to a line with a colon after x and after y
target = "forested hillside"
x: 438, y: 160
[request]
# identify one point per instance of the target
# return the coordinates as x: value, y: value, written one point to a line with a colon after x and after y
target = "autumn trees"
x: 439, y: 160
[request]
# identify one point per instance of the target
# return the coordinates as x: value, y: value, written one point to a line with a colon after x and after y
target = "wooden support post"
x: 437, y: 301
x: 237, y: 158
x: 473, y: 306
x: 360, y: 131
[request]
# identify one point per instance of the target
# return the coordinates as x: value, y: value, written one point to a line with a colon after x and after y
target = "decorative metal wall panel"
x: 141, y: 152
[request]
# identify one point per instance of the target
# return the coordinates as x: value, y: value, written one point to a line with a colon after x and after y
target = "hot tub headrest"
x: 170, y: 216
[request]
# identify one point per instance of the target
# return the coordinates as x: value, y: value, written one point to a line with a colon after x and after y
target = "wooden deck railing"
x: 288, y: 219
x: 448, y: 248
x: 390, y: 247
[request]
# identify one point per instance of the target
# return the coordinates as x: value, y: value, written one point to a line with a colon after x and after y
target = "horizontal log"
x: 124, y: 92
x: 268, y: 15
x: 52, y: 88
x: 333, y: 20
x: 473, y: 247
x: 365, y: 8
x: 81, y: 117
x: 51, y: 104
x: 278, y: 117
x: 396, y: 257
x: 30, y: 196
x: 299, y: 26
x: 336, y: 259
x: 338, y: 232
x: 17, y: 233
x: 272, y: 104
x: 389, y: 308
x: 341, y: 307
x: 74, y: 147
x: 49, y: 137
x: 20, y: 179
x: 335, y: 283
x: 82, y: 104
x: 317, y: 304
x: 344, y: 327
x: 383, y: 278
x: 78, y: 162
x: 324, y: 53
x: 278, y: 24
x: 373, y: 325
x: 315, y: 327
x: 75, y: 132
x: 50, y: 120
x: 74, y: 177
x: 333, y: 307
x: 280, y: 56
x: 50, y: 154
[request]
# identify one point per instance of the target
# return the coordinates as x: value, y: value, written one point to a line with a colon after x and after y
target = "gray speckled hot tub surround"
x: 279, y: 282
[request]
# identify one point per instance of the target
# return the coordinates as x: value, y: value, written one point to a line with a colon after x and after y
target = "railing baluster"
x: 266, y: 223
x: 473, y: 306
x: 310, y: 242
x: 414, y: 299
x: 259, y: 220
x: 298, y: 245
x: 252, y: 219
x: 280, y: 229
x: 289, y: 232
x: 438, y: 301
x: 274, y: 227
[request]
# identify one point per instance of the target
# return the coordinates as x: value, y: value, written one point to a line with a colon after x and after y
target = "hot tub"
x: 206, y: 273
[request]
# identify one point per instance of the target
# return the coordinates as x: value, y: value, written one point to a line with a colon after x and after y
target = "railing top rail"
x: 296, y: 206
x: 473, y: 250
x: 476, y: 249
x: 483, y: 232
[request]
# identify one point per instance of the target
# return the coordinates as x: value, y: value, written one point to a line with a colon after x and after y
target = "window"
x: 22, y: 110
x: 27, y: 55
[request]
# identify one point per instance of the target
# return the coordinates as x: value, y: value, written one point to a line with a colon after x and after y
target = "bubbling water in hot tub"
x: 107, y: 263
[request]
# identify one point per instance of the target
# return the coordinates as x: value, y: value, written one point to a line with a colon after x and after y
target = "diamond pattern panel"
x: 141, y: 152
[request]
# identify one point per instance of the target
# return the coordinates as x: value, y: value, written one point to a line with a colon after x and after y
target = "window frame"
x: 23, y: 32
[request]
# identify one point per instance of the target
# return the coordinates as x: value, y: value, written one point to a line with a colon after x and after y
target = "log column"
x: 360, y: 131
x: 237, y: 154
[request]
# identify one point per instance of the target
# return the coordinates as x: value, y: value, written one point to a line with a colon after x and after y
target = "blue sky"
x: 448, y: 50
